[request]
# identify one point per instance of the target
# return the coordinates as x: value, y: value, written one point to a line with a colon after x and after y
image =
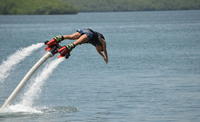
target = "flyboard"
x: 52, y: 47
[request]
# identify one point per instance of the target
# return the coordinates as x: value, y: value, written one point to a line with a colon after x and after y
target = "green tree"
x: 36, y: 7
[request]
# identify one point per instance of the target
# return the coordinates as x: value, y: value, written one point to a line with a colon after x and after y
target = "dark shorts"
x: 92, y: 36
x: 89, y: 34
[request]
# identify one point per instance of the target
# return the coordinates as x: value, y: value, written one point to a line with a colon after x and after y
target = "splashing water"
x: 19, y: 108
x: 35, y: 89
x: 26, y: 103
x: 16, y: 58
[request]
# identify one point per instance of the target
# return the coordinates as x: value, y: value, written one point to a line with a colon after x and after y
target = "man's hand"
x: 105, y: 59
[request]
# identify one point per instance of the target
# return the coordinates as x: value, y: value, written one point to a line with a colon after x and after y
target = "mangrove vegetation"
x: 31, y: 7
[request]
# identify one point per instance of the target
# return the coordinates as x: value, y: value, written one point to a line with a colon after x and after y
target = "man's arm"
x: 102, y: 54
x: 103, y: 51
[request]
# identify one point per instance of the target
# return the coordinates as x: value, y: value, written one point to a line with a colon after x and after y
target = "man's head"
x: 100, y: 36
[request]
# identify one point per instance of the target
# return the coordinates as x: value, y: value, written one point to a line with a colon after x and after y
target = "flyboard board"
x: 52, y: 48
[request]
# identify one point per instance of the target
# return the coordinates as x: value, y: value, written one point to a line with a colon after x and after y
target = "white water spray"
x: 25, y: 106
x: 34, y: 90
x: 16, y: 58
x: 18, y: 108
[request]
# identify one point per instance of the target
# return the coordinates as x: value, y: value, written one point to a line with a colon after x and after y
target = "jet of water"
x: 34, y: 89
x: 16, y: 58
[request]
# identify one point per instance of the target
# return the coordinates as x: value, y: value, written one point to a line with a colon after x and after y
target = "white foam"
x: 19, y: 108
x: 16, y: 58
x: 34, y: 89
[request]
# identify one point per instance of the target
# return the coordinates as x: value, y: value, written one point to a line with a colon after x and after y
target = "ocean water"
x: 153, y: 74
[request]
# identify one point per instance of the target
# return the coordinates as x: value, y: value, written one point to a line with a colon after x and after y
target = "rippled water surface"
x: 152, y: 75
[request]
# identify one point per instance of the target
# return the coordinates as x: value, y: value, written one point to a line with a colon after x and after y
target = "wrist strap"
x: 71, y: 46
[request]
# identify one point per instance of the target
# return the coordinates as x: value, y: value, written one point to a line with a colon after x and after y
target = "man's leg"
x: 73, y: 36
x: 65, y: 50
x: 82, y: 39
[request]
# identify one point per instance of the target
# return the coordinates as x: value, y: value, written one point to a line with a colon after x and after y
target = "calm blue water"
x: 152, y: 76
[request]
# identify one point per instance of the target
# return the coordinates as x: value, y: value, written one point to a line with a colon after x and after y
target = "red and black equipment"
x: 54, y: 47
x: 64, y: 52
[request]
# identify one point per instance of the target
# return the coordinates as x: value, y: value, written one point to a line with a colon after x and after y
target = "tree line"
x: 134, y: 5
x: 75, y: 6
x: 36, y: 7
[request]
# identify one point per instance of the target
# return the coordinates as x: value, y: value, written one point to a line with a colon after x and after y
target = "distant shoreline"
x: 139, y: 11
x: 72, y: 7
x: 100, y: 12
